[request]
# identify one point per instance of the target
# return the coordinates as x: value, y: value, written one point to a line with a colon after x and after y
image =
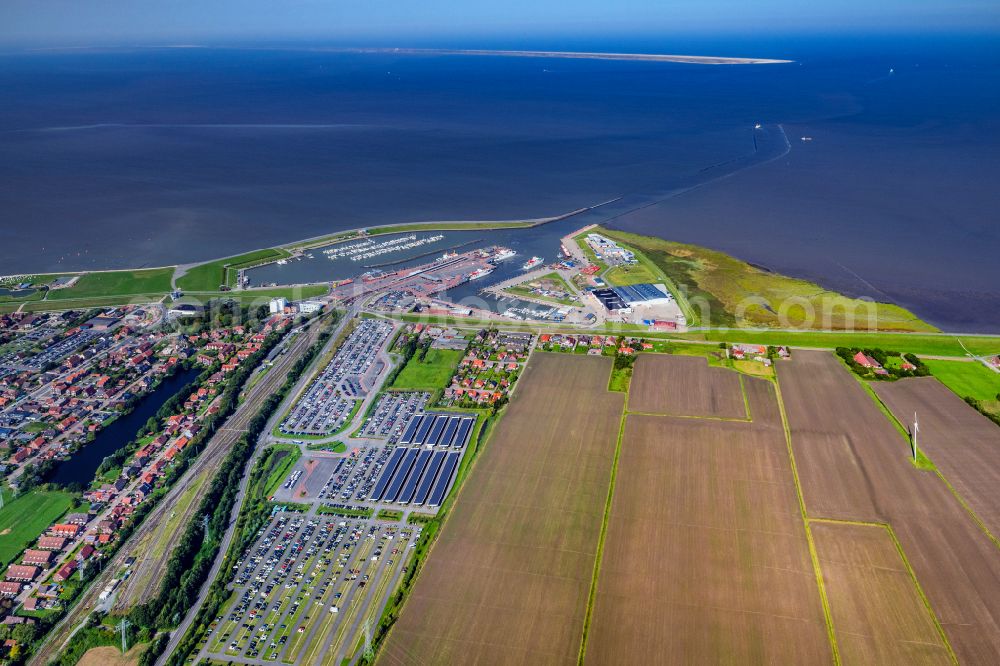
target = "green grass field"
x: 23, y: 519
x: 969, y: 380
x: 431, y: 373
x: 635, y: 274
x: 117, y: 283
x: 210, y: 276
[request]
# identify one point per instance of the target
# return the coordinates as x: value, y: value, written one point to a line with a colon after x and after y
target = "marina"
x: 369, y: 249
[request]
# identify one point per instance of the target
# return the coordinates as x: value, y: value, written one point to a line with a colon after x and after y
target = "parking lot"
x: 392, y: 413
x: 350, y: 374
x: 306, y: 479
x: 304, y: 590
x: 63, y: 348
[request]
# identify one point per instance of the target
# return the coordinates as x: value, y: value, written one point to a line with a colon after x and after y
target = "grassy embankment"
x: 23, y: 519
x: 202, y: 283
x: 940, y: 344
x: 99, y: 289
x: 728, y: 292
x: 222, y: 272
x: 430, y: 373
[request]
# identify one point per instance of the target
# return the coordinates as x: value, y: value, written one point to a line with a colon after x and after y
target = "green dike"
x: 737, y: 293
x: 116, y: 283
x: 213, y: 274
x: 942, y: 344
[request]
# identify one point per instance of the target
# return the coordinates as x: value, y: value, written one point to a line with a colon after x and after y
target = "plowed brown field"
x: 508, y: 580
x: 706, y: 558
x: 854, y: 464
x: 685, y: 386
x: 964, y: 444
x: 877, y: 610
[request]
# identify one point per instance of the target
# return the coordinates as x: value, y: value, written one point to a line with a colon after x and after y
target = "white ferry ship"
x: 480, y: 273
x: 531, y: 263
x: 503, y: 254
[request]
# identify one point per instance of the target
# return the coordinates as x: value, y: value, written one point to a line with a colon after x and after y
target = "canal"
x: 82, y: 466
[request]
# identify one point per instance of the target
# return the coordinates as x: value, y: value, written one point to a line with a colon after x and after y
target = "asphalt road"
x: 178, y: 633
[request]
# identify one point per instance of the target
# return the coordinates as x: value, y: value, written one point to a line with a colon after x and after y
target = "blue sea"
x: 152, y: 156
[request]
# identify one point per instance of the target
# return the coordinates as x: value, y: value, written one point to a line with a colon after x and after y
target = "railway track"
x: 207, y: 462
x: 137, y: 589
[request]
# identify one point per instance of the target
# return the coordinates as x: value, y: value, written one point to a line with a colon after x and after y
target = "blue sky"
x: 400, y: 22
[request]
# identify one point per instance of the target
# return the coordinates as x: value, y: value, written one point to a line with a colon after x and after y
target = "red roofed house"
x: 10, y: 589
x: 65, y: 572
x: 39, y: 557
x: 22, y: 572
x: 51, y: 543
x: 65, y: 530
x: 866, y: 361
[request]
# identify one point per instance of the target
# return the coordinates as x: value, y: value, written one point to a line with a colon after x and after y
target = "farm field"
x: 969, y: 380
x: 964, y: 444
x: 706, y: 558
x: 433, y: 372
x: 707, y: 391
x: 853, y: 464
x: 508, y: 579
x: 877, y: 610
x: 23, y: 519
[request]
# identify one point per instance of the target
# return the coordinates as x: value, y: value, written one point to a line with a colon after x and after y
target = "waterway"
x: 181, y: 155
x: 82, y: 466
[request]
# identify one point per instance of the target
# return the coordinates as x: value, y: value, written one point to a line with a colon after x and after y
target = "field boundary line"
x: 934, y: 468
x: 813, y: 554
x: 746, y: 398
x: 591, y: 598
x: 909, y: 570
x: 971, y: 512
x: 728, y: 419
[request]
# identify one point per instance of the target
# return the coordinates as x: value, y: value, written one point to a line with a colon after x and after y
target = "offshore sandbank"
x: 650, y: 57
